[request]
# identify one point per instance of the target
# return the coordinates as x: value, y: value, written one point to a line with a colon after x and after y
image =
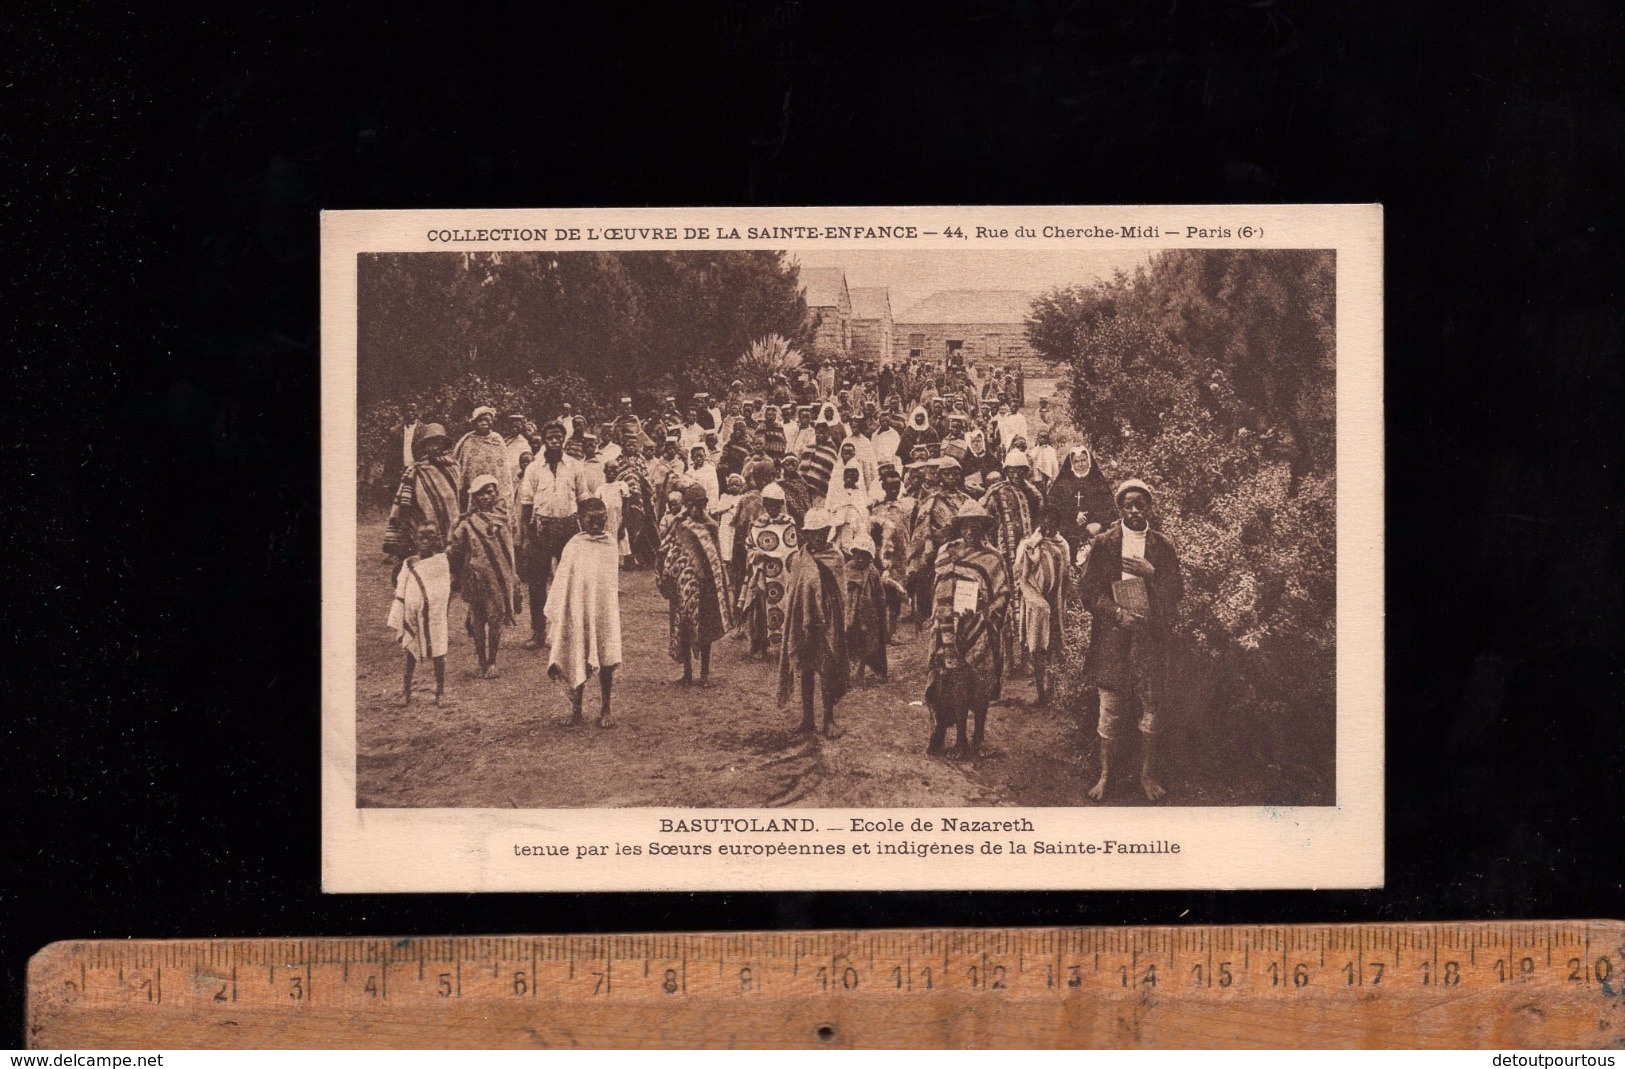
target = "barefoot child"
x: 584, y: 611
x: 482, y: 559
x: 418, y: 613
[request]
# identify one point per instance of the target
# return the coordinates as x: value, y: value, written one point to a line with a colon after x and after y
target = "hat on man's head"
x: 887, y: 467
x: 429, y: 432
x: 862, y: 544
x: 1016, y: 459
x: 480, y: 483
x: 483, y: 410
x: 972, y: 512
x: 1133, y: 484
x: 772, y: 492
x: 946, y: 464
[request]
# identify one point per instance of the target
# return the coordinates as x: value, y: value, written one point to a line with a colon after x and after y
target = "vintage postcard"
x: 853, y: 548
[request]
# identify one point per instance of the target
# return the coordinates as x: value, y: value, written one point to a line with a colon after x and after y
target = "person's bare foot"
x: 832, y: 730
x: 704, y: 680
x: 437, y: 698
x: 405, y: 699
x: 606, y: 723
x: 1153, y: 790
x: 1098, y: 791
x: 575, y: 721
x: 532, y: 643
x: 681, y: 681
x: 492, y: 672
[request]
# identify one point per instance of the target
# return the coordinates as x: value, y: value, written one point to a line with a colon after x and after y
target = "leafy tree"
x: 675, y: 320
x: 1210, y: 375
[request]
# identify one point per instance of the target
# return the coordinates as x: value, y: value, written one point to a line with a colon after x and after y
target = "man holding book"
x: 1132, y: 586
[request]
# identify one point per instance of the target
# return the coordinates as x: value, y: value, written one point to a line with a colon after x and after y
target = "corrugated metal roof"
x: 970, y: 306
x: 871, y: 302
x: 823, y: 286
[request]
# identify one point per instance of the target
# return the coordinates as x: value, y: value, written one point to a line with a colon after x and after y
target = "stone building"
x: 871, y: 323
x: 979, y: 326
x: 829, y: 309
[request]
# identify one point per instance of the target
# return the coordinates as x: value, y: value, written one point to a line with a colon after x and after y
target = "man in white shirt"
x: 409, y: 432
x: 703, y: 472
x: 885, y: 439
x: 692, y: 433
x: 1011, y: 424
x: 553, y: 484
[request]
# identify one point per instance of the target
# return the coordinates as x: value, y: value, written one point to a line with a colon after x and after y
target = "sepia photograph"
x: 753, y: 528
x: 844, y: 525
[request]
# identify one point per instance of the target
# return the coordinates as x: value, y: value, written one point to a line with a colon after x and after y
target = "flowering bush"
x: 1253, y: 515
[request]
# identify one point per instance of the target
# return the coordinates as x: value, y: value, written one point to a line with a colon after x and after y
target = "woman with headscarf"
x: 848, y: 505
x: 979, y: 458
x: 1084, y: 499
x: 482, y: 451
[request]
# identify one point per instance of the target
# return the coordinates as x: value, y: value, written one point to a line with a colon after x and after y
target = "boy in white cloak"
x: 584, y: 612
x: 418, y: 613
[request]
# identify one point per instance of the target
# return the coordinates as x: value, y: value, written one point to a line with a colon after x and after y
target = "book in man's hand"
x: 1132, y: 596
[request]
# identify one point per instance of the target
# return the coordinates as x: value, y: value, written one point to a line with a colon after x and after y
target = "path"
x: 502, y: 742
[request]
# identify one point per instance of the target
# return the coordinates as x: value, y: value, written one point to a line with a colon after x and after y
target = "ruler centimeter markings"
x: 1511, y: 984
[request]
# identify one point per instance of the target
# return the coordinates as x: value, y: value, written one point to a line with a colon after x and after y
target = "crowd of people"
x: 812, y: 520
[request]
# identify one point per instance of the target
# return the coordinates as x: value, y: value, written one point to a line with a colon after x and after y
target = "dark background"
x: 161, y: 182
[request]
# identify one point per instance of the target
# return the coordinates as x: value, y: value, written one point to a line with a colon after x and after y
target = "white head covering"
x: 1016, y: 459
x: 483, y: 410
x: 772, y: 492
x: 861, y: 542
x: 480, y: 483
x: 817, y: 520
x: 1134, y: 484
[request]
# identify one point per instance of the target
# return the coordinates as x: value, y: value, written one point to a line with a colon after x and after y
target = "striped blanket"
x: 974, y: 639
x: 482, y: 555
x: 418, y: 613
x: 427, y: 494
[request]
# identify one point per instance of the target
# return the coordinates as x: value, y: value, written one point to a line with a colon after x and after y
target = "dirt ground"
x: 503, y: 742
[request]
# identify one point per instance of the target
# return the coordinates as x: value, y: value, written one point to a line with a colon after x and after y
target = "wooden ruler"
x: 1444, y: 985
